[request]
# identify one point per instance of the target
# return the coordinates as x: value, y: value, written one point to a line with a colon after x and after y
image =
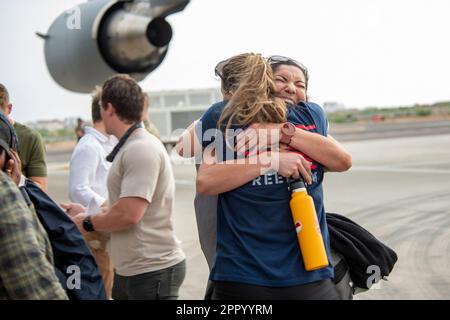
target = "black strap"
x: 25, y: 195
x: 340, y: 270
x: 122, y: 141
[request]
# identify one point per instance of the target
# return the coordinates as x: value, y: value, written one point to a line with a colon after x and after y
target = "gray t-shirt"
x: 206, y: 215
x: 142, y: 169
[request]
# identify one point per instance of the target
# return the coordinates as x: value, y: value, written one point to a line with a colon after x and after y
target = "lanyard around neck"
x: 112, y: 155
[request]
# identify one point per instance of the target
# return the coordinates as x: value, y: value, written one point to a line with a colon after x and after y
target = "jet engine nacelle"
x: 86, y: 45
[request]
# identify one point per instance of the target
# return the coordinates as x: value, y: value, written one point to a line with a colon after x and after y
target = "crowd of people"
x: 122, y: 189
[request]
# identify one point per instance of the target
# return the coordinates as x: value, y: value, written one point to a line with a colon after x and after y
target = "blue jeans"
x: 157, y: 285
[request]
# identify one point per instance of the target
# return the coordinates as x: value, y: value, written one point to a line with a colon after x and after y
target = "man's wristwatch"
x: 87, y: 224
x: 287, y: 132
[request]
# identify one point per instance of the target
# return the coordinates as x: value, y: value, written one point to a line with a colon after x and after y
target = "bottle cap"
x: 296, y: 184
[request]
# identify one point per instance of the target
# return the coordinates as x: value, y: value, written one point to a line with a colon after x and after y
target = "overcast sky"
x: 359, y: 52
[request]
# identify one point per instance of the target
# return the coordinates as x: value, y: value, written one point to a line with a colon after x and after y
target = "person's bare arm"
x: 214, y: 178
x: 325, y: 150
x: 41, y: 182
x: 120, y: 217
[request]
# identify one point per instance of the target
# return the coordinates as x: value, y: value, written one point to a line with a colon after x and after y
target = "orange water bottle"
x: 307, y: 227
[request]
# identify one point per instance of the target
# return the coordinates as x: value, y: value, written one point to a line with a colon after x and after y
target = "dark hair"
x: 277, y: 61
x: 275, y: 67
x: 126, y: 97
x: 95, y: 106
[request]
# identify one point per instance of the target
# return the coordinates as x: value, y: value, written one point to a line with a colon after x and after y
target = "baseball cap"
x: 8, y: 137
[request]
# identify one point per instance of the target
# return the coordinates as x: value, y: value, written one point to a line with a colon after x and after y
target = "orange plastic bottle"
x: 307, y: 227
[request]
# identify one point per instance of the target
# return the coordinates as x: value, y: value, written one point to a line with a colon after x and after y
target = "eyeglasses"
x: 276, y: 60
x: 219, y: 69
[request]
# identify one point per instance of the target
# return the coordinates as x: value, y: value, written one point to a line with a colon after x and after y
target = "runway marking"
x: 427, y: 162
x: 58, y: 166
x: 399, y: 170
x: 185, y: 182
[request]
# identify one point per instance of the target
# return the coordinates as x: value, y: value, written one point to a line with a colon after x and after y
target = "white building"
x: 49, y: 125
x: 171, y: 111
x: 333, y: 106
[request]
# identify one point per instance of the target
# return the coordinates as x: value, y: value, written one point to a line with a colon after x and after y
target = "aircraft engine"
x: 96, y: 39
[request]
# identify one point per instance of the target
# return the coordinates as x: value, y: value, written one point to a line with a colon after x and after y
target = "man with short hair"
x: 87, y: 183
x: 147, y: 257
x: 31, y: 145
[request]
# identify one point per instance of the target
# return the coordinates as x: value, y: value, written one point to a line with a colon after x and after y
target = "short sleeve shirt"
x: 142, y: 169
x: 256, y: 238
x: 31, y: 151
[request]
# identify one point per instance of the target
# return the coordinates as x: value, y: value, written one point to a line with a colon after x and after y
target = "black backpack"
x: 72, y: 257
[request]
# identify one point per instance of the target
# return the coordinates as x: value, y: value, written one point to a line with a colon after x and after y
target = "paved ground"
x: 398, y: 189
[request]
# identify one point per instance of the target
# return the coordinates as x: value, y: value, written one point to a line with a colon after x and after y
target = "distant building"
x: 333, y: 106
x: 71, y: 122
x: 49, y: 125
x: 55, y: 124
x: 176, y: 109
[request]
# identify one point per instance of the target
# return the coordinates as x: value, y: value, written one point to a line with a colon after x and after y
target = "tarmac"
x: 398, y: 189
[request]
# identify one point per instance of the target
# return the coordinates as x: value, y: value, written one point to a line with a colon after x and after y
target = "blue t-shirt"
x: 256, y: 238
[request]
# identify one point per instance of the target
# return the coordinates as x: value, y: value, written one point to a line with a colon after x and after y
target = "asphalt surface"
x: 398, y: 189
